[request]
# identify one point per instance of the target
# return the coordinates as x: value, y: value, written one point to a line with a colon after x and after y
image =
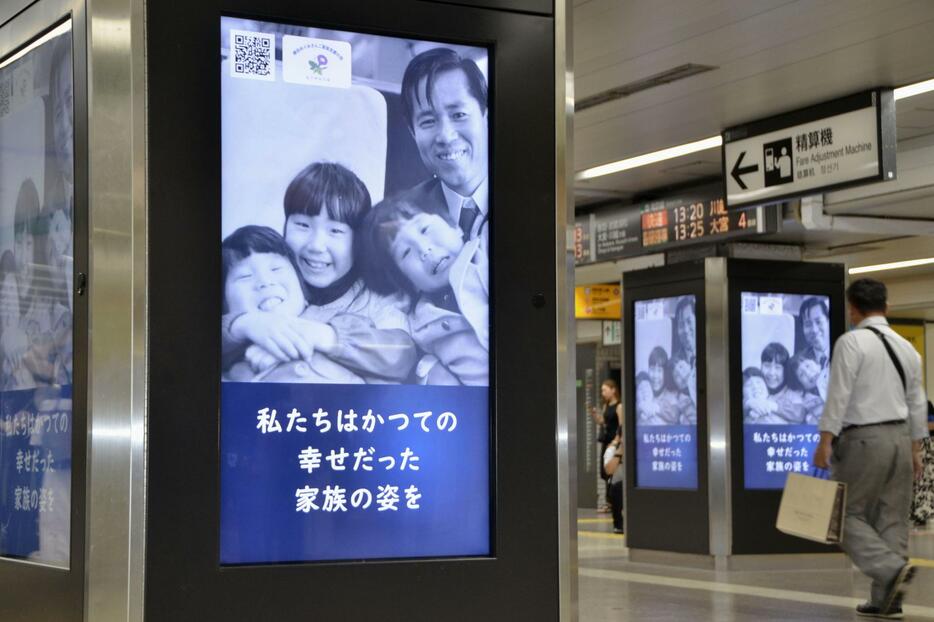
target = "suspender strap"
x: 895, y: 361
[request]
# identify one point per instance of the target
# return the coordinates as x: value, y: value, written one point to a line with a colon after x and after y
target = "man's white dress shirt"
x: 865, y: 387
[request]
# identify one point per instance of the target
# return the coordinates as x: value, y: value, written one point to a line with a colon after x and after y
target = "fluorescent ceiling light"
x: 911, y: 90
x: 55, y: 32
x: 649, y: 158
x: 713, y: 142
x: 895, y: 265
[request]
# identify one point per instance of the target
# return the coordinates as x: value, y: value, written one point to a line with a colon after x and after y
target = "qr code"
x: 750, y: 304
x: 640, y: 311
x: 252, y: 55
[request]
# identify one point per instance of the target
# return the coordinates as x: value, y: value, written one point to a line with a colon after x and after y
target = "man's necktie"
x: 469, y: 213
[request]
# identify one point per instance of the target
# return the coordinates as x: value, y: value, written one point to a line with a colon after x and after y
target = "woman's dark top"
x: 610, y: 423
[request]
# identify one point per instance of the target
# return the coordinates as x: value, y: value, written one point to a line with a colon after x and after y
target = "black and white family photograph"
x: 666, y: 361
x: 785, y: 356
x: 355, y: 208
x: 36, y: 300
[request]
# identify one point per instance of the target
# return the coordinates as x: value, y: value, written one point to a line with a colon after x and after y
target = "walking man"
x: 871, y: 430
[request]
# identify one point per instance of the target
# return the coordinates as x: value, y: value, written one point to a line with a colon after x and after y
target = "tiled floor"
x: 612, y: 588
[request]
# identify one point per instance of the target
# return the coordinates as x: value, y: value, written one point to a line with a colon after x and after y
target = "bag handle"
x: 820, y: 473
x: 895, y: 361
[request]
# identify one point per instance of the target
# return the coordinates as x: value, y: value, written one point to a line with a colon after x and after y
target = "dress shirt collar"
x: 873, y: 320
x: 480, y: 196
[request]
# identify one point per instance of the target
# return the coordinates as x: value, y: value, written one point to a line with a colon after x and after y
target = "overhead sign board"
x: 597, y: 302
x: 696, y: 216
x: 684, y: 221
x: 583, y: 240
x: 617, y: 233
x: 845, y: 142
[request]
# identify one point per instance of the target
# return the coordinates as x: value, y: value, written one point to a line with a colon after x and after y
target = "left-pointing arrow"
x: 739, y: 170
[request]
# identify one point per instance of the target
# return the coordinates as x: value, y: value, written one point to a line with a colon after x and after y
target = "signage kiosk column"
x: 780, y: 320
x: 349, y: 311
x: 784, y: 319
x: 665, y: 411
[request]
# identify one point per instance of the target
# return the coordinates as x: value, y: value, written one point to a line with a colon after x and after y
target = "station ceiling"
x: 770, y: 56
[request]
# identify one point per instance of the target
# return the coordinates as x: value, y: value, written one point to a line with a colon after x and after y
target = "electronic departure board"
x: 583, y: 253
x: 698, y: 216
x: 665, y: 222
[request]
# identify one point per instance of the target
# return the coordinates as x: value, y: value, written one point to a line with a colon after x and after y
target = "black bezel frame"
x: 183, y: 578
x: 22, y: 579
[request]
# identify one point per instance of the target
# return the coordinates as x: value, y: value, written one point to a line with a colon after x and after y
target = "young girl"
x: 758, y: 407
x: 325, y: 205
x: 683, y: 380
x: 42, y: 338
x: 260, y: 275
x: 674, y: 405
x: 59, y: 258
x: 646, y: 407
x: 14, y: 373
x: 806, y: 373
x: 774, y: 368
x: 447, y: 279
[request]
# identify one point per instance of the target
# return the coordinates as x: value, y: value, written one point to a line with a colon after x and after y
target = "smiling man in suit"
x: 445, y: 99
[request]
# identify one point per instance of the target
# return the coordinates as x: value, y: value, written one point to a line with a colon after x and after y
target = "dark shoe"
x: 618, y: 530
x: 893, y: 599
x: 871, y: 611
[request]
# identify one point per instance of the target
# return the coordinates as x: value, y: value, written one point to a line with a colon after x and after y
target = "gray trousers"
x: 875, y: 463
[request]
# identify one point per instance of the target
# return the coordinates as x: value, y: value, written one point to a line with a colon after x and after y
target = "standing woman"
x: 609, y: 420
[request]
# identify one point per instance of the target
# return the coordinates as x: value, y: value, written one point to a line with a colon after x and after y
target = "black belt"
x: 870, y: 425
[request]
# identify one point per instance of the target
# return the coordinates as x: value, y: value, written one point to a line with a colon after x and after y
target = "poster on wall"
x: 785, y: 340
x: 355, y: 398
x: 912, y: 331
x: 596, y: 302
x: 666, y: 392
x: 36, y: 303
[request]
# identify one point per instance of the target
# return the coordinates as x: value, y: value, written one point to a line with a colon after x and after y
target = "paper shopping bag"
x: 812, y: 508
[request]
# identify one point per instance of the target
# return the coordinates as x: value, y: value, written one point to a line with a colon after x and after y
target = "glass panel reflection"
x: 36, y: 304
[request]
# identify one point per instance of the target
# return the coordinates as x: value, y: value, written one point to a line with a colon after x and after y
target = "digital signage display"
x: 786, y: 367
x: 665, y: 384
x: 355, y: 414
x: 36, y: 303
